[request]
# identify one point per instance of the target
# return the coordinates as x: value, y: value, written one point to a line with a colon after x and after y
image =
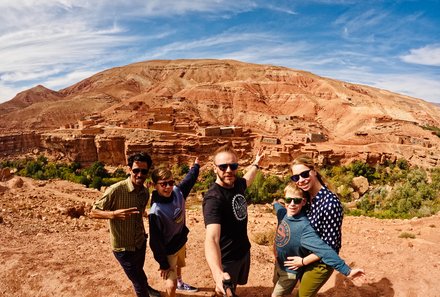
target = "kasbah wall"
x: 157, y: 132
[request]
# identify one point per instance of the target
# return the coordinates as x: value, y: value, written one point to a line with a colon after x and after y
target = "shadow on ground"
x: 346, y: 288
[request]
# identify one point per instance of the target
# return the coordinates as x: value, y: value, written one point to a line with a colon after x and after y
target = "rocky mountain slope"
x: 265, y: 100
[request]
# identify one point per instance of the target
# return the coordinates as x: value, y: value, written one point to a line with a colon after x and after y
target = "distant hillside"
x: 266, y: 100
x: 218, y: 91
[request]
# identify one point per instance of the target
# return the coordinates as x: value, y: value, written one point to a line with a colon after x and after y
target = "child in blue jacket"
x: 296, y: 237
x: 168, y: 230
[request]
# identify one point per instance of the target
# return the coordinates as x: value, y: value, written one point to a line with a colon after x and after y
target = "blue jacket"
x: 296, y: 237
x: 168, y: 231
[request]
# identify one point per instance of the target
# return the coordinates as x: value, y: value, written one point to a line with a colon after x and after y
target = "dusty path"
x: 45, y: 252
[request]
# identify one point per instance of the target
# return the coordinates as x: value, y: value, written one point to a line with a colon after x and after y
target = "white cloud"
x: 68, y: 80
x: 427, y: 55
x: 28, y: 55
x: 359, y: 21
x: 7, y: 92
x: 175, y: 48
x: 172, y: 7
x: 281, y: 9
x: 16, y: 76
x: 415, y: 85
x: 40, y: 38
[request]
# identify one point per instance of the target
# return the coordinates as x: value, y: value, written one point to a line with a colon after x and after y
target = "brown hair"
x: 161, y: 173
x: 227, y: 148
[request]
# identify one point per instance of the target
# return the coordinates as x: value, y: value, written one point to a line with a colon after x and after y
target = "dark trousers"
x: 239, y: 269
x: 133, y: 265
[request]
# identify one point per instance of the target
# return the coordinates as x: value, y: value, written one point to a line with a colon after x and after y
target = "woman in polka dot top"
x: 325, y: 214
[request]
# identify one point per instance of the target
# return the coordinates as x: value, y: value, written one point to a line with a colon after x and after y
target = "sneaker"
x: 152, y: 292
x: 184, y: 287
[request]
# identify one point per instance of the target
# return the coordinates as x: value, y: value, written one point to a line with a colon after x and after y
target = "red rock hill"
x: 280, y: 105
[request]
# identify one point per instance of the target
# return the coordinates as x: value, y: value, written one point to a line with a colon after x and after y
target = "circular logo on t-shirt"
x: 239, y: 206
x: 283, y: 234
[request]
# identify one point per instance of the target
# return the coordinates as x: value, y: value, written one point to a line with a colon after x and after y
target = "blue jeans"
x: 133, y: 265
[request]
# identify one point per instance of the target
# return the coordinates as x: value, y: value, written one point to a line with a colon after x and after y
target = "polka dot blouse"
x: 325, y: 215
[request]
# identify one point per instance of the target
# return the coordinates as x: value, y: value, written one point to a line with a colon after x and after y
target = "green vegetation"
x: 206, y: 178
x: 395, y: 190
x: 94, y: 176
x: 266, y: 188
x: 436, y: 130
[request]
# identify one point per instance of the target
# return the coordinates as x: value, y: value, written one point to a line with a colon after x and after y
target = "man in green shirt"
x: 124, y: 204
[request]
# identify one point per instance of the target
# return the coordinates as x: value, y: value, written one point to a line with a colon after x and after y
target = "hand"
x: 219, y: 282
x: 125, y: 213
x: 259, y: 156
x: 358, y: 276
x: 280, y: 201
x: 164, y: 273
x: 293, y: 262
x: 196, y: 161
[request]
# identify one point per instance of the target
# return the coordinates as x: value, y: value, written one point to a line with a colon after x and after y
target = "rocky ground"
x: 48, y: 247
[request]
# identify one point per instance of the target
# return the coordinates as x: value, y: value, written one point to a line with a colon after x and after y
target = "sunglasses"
x: 296, y: 200
x: 224, y: 167
x: 137, y: 170
x: 166, y: 183
x: 304, y: 174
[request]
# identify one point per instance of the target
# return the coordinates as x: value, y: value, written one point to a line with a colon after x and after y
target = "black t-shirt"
x: 228, y: 207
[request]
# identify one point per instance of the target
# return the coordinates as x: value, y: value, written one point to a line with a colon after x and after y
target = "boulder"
x: 15, y: 183
x: 5, y: 174
x: 360, y: 184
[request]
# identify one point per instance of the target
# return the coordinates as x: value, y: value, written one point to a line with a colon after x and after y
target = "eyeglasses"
x: 296, y: 200
x: 224, y: 167
x: 166, y: 183
x: 137, y: 170
x: 304, y: 174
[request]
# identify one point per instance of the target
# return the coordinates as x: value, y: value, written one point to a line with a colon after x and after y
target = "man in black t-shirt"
x: 227, y: 246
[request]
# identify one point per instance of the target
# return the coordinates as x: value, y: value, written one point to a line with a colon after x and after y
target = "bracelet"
x: 256, y: 165
x: 302, y: 262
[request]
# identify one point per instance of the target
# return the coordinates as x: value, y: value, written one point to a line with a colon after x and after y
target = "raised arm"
x: 252, y: 172
x: 190, y: 179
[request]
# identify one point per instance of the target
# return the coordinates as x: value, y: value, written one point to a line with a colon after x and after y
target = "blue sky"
x: 393, y: 45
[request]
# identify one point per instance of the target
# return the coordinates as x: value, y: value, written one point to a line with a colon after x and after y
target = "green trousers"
x: 314, y: 277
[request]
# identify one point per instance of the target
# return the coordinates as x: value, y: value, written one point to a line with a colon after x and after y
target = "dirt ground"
x: 46, y: 251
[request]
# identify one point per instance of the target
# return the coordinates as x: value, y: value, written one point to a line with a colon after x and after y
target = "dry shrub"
x: 407, y: 235
x: 264, y: 237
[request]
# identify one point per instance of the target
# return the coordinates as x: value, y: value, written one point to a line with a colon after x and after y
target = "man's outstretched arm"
x: 213, y: 256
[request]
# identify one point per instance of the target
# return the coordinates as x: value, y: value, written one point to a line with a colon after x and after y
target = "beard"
x: 228, y: 180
